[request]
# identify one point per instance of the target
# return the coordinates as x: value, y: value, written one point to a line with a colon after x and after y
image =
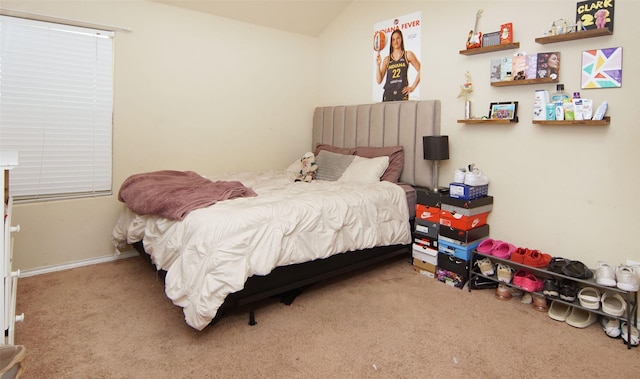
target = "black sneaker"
x: 557, y: 264
x: 577, y: 269
x: 550, y: 288
x: 568, y: 290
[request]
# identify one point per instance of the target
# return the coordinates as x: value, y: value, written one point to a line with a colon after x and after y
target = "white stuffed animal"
x: 309, y: 167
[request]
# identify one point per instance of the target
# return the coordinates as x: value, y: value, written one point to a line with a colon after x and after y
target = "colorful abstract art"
x: 602, y: 68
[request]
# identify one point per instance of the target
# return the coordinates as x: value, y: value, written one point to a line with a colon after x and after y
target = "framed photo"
x: 602, y: 68
x: 490, y: 39
x: 504, y: 111
x: 506, y: 33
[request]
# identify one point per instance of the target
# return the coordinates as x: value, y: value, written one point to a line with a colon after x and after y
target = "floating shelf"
x: 506, y: 83
x: 487, y: 121
x: 604, y: 121
x: 490, y: 49
x: 574, y: 36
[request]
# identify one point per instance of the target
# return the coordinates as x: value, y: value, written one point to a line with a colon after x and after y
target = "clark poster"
x: 396, y: 58
x: 595, y: 14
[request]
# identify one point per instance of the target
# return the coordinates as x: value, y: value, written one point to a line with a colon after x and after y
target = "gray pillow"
x: 332, y: 165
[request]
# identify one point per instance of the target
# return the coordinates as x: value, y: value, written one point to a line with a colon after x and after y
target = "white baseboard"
x: 75, y: 264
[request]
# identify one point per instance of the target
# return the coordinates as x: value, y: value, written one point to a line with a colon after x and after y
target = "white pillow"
x: 365, y: 170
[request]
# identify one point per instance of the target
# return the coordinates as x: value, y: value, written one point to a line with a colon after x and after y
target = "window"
x: 56, y: 100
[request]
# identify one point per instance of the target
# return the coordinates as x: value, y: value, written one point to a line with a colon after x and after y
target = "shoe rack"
x: 630, y: 297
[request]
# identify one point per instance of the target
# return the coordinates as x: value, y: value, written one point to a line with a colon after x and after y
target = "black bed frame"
x: 287, y: 282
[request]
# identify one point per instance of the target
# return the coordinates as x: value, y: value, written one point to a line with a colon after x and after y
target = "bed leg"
x: 252, y: 317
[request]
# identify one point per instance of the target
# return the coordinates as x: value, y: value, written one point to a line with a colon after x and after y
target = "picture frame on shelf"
x: 507, y: 110
x: 548, y: 65
x: 594, y: 14
x: 491, y: 39
x: 506, y: 33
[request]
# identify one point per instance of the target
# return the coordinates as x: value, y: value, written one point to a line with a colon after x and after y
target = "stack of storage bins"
x: 463, y: 225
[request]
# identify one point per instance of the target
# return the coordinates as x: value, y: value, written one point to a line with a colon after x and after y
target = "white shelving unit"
x: 8, y: 318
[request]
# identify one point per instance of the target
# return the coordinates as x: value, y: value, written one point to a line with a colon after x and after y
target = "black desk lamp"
x: 436, y: 149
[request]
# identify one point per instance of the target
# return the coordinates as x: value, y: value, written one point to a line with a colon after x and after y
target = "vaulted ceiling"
x: 308, y: 17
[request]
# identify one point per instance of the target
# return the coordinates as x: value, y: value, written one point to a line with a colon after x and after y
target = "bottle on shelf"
x: 559, y: 98
x: 577, y: 104
x: 559, y: 95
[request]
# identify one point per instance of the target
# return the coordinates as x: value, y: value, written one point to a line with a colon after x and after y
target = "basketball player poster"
x: 396, y: 58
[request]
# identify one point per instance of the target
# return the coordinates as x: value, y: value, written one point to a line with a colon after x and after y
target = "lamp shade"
x: 436, y: 148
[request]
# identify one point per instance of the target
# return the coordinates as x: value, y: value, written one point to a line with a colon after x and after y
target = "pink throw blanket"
x: 173, y: 194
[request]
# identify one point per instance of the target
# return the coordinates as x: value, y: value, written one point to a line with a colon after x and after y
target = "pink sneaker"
x: 532, y: 283
x: 519, y: 276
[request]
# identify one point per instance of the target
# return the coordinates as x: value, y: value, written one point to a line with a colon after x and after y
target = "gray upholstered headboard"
x: 380, y: 125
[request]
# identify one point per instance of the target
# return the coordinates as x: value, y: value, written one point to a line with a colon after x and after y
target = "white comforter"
x: 212, y: 252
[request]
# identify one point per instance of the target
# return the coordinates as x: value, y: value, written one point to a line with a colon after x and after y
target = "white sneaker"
x: 458, y: 176
x: 636, y: 271
x: 631, y: 339
x: 486, y: 267
x: 605, y: 274
x: 475, y: 178
x: 626, y: 278
x: 611, y: 326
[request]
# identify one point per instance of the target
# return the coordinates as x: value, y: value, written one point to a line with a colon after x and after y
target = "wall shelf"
x: 490, y: 49
x: 507, y: 83
x: 487, y: 121
x: 604, y: 121
x: 574, y: 36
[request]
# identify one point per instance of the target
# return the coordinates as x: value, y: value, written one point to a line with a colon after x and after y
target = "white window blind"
x: 56, y: 100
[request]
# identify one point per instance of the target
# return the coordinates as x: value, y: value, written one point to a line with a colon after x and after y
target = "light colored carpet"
x: 113, y: 320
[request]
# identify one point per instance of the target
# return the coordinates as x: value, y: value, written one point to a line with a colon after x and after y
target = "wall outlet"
x: 632, y: 263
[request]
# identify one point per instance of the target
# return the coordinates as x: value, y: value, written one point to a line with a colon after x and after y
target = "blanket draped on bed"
x: 173, y: 194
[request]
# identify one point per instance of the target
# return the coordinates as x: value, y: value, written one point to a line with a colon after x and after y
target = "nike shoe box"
x: 467, y: 211
x: 451, y: 241
x: 460, y: 221
x: 452, y: 271
x: 461, y: 251
x: 426, y: 228
x: 424, y: 268
x: 427, y: 242
x: 429, y: 198
x: 424, y: 272
x: 427, y: 213
x: 424, y: 254
x: 467, y: 192
x: 464, y: 236
x: 467, y: 204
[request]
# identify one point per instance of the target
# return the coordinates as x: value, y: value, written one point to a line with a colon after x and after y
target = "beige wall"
x: 192, y: 92
x: 204, y: 93
x: 569, y: 191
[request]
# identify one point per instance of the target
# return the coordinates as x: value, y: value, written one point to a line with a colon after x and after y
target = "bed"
x: 211, y: 266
